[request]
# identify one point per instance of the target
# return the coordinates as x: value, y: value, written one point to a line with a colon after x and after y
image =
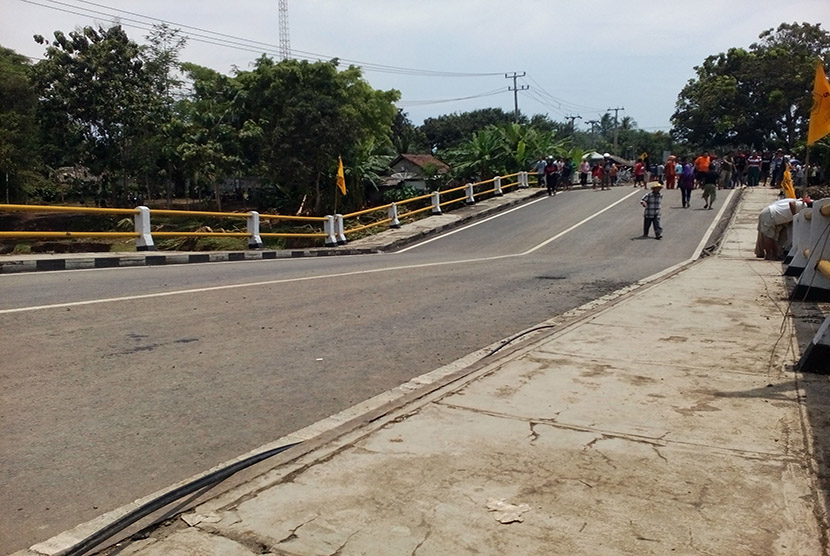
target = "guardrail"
x: 437, y: 201
x: 333, y: 232
x: 144, y: 234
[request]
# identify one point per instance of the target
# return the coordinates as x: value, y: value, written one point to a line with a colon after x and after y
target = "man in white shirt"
x: 773, y: 223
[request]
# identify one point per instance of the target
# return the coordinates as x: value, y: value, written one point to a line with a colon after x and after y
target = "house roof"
x: 421, y: 160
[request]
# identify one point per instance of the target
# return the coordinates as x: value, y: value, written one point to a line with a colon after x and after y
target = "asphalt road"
x: 119, y: 382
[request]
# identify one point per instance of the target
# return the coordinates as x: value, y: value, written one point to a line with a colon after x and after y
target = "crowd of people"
x: 706, y: 172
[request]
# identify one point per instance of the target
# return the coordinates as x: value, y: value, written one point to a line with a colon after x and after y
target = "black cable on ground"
x: 144, y: 510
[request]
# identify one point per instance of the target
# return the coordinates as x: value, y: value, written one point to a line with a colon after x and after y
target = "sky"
x: 574, y: 58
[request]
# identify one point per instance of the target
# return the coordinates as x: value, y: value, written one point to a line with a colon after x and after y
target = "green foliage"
x: 406, y: 137
x: 450, y: 131
x: 18, y: 145
x: 400, y: 194
x: 757, y: 97
x: 97, y: 99
x: 502, y: 150
x: 310, y: 113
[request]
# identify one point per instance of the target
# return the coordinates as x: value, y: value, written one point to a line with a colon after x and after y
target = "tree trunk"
x: 218, y: 194
x: 318, y: 198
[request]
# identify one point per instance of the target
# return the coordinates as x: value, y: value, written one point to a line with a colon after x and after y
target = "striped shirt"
x: 653, y: 201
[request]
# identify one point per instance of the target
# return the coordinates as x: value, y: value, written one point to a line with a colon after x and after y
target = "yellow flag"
x: 787, y: 183
x: 820, y: 113
x: 341, y: 176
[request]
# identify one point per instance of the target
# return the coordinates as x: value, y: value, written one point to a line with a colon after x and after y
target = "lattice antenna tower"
x: 285, y: 39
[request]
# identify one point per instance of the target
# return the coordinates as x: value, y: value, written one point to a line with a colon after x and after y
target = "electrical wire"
x: 558, y: 106
x: 410, y: 103
x: 239, y: 43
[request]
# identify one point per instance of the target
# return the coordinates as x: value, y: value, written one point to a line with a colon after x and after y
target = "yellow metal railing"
x: 144, y: 233
x: 333, y: 226
x: 392, y: 211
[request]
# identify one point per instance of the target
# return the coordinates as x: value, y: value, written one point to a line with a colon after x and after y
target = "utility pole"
x: 516, y: 90
x: 572, y: 118
x: 285, y: 39
x: 616, y: 128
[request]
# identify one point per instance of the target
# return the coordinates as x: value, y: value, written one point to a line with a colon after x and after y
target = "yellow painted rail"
x: 393, y: 212
x: 144, y: 233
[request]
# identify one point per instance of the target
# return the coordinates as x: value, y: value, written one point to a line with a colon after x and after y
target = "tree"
x: 310, y: 113
x: 164, y: 68
x: 95, y: 96
x: 18, y: 145
x: 502, y: 150
x: 757, y: 97
x: 452, y: 130
x: 407, y: 137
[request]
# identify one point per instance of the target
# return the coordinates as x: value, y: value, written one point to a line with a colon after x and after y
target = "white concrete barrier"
x: 436, y: 202
x: 255, y: 240
x: 144, y: 241
x: 497, y: 186
x: 814, y: 285
x: 393, y: 216
x: 796, y: 259
x: 329, y: 227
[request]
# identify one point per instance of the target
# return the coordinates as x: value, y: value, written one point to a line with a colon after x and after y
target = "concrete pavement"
x: 666, y: 419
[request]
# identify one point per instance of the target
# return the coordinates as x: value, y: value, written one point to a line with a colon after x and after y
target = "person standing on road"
x: 776, y: 169
x: 727, y: 170
x: 710, y: 186
x: 607, y: 172
x: 753, y: 169
x: 671, y: 172
x: 653, y: 203
x: 551, y: 176
x: 639, y: 173
x: 596, y: 175
x: 687, y: 182
x: 739, y: 177
x: 701, y: 167
x: 584, y: 170
x: 540, y: 171
x: 567, y: 169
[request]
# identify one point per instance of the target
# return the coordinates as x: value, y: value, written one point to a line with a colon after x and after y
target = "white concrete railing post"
x: 436, y: 202
x: 523, y: 180
x: 471, y: 199
x: 393, y: 216
x: 339, y: 232
x: 812, y: 284
x: 497, y: 186
x: 329, y: 229
x: 796, y: 259
x: 144, y: 241
x: 255, y: 240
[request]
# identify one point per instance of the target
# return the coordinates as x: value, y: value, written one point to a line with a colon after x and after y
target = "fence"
x: 434, y: 203
x: 333, y: 232
x: 144, y: 235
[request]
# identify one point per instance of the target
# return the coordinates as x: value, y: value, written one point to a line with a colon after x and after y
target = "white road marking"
x: 336, y: 275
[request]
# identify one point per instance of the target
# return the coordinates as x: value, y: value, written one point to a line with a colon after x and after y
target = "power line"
x: 410, y: 103
x: 240, y: 43
x: 516, y: 90
x: 575, y: 107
